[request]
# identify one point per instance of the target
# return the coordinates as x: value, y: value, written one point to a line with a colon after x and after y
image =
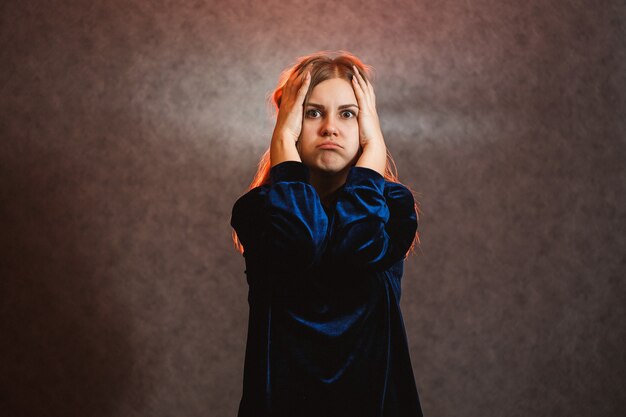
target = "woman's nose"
x: 329, y: 128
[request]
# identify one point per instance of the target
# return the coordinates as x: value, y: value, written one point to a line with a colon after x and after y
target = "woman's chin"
x: 331, y: 162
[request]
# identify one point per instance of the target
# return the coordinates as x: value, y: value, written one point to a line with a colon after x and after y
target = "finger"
x: 304, y: 87
x: 358, y: 92
x: 368, y: 88
x: 295, y: 81
x: 299, y: 84
x: 362, y: 81
x: 357, y: 76
x: 291, y: 83
x: 361, y: 100
x: 364, y: 86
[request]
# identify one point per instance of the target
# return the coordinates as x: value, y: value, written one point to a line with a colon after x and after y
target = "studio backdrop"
x: 129, y: 128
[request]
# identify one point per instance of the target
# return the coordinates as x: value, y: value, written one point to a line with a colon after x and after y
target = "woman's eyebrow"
x: 343, y: 106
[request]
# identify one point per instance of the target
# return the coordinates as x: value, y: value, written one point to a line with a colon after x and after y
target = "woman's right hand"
x: 289, y: 119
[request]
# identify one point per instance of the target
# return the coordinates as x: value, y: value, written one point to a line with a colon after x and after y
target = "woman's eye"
x: 313, y: 113
x: 346, y: 114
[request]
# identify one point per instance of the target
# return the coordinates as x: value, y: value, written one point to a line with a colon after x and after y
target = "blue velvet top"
x: 326, y: 336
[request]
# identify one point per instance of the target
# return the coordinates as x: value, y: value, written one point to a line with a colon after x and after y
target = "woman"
x: 324, y: 231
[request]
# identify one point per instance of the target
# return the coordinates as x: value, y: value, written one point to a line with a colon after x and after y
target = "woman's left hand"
x: 369, y: 125
x: 374, y: 155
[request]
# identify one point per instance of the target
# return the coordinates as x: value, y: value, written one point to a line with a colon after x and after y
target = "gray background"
x: 128, y: 130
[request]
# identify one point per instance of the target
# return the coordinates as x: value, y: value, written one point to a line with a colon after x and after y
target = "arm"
x: 283, y: 222
x: 375, y: 221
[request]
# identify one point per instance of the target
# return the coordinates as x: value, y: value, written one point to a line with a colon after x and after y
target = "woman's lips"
x: 329, y: 145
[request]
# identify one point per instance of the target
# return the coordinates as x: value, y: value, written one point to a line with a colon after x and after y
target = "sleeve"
x: 375, y: 221
x: 283, y: 221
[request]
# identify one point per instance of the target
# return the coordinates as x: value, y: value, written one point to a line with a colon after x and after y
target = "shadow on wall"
x: 65, y: 344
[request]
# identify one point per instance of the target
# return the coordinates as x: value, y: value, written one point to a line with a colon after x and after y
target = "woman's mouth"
x: 328, y: 145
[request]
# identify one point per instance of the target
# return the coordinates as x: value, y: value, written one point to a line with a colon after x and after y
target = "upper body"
x: 326, y: 335
x: 324, y: 231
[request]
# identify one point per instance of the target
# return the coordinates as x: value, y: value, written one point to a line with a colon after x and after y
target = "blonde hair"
x: 324, y: 66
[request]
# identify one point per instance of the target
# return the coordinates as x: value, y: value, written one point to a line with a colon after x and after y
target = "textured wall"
x: 128, y: 129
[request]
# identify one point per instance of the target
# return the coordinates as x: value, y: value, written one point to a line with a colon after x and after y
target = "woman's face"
x: 329, y: 141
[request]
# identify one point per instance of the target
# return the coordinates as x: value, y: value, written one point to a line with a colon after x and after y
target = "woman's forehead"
x: 334, y: 89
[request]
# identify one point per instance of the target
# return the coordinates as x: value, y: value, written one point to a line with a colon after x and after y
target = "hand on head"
x: 369, y: 124
x: 374, y: 155
x: 289, y: 120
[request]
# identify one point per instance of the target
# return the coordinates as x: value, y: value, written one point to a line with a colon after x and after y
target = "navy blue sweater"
x: 326, y: 336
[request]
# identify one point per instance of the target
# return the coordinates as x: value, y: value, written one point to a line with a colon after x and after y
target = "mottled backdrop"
x: 128, y: 129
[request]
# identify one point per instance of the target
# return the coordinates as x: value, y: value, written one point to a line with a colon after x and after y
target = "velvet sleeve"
x: 375, y: 221
x: 282, y: 222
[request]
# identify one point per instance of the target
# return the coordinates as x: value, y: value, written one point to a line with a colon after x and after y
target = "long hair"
x: 324, y: 66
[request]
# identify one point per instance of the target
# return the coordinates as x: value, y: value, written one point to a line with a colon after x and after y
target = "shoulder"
x: 253, y: 195
x: 253, y: 199
x: 400, y: 201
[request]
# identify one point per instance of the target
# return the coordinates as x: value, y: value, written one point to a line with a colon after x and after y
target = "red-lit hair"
x: 323, y: 67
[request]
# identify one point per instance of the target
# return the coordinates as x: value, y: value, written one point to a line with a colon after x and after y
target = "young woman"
x: 324, y: 230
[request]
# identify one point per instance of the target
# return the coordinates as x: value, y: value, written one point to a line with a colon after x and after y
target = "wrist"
x: 283, y: 149
x: 374, y: 145
x: 374, y: 156
x: 284, y: 136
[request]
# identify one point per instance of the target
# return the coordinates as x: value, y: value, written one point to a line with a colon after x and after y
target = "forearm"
x: 374, y: 156
x: 361, y: 214
x: 375, y: 220
x: 282, y: 150
x: 282, y: 221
